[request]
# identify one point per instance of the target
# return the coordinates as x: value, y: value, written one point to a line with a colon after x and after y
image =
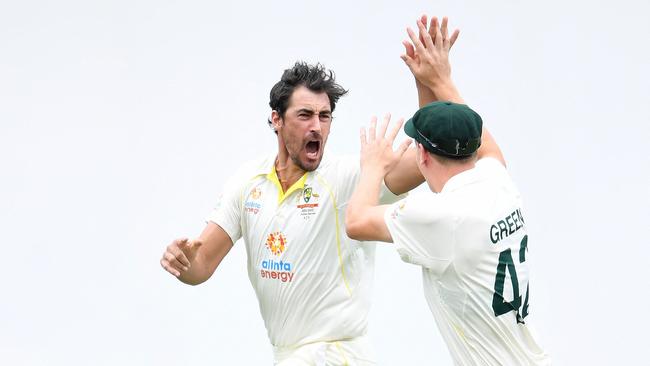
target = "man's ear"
x: 276, y: 120
x: 423, y: 155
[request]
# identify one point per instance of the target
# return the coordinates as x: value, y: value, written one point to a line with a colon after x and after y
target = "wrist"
x: 446, y: 90
x: 372, y: 173
x: 438, y: 83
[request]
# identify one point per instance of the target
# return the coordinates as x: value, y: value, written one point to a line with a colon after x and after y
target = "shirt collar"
x: 463, y: 179
x: 267, y: 169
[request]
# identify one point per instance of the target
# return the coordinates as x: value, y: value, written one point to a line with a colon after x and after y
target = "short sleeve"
x: 228, y: 210
x: 423, y: 233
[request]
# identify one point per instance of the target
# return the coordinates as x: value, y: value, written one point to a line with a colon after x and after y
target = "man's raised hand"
x: 427, y: 55
x: 377, y: 147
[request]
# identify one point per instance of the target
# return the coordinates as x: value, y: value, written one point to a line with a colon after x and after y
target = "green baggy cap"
x: 447, y: 129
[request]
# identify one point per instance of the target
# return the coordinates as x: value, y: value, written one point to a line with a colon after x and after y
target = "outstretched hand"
x: 377, y: 152
x: 434, y: 26
x: 427, y: 55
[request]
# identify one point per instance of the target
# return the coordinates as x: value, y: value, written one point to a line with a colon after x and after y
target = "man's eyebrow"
x: 308, y: 110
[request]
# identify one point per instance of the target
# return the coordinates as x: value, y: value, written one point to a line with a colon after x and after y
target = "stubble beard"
x: 296, y: 160
x: 295, y: 156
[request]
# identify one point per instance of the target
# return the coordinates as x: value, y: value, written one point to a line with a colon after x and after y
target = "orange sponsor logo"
x: 276, y: 242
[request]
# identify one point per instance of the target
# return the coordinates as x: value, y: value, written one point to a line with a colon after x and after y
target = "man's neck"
x: 438, y: 179
x: 287, y: 171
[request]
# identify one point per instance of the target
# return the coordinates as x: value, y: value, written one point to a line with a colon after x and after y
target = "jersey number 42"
x: 499, y: 304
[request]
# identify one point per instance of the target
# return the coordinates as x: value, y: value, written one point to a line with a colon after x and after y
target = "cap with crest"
x: 447, y: 129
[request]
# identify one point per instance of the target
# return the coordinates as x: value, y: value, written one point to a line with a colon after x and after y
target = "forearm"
x: 197, y: 272
x: 358, y: 221
x: 366, y: 194
x: 406, y: 175
x: 489, y: 148
x: 439, y: 90
x: 425, y: 95
x: 216, y: 244
x: 444, y: 90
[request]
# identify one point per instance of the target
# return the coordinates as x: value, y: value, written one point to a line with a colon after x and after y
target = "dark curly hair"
x: 314, y: 77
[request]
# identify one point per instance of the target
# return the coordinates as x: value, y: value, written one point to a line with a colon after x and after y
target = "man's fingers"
x: 432, y: 27
x: 404, y: 146
x: 195, y: 244
x: 177, y: 252
x: 180, y: 241
x: 190, y: 246
x: 433, y: 30
x: 178, y: 255
x: 408, y: 61
x: 415, y: 40
x: 177, y: 262
x: 439, y: 43
x: 410, y: 51
x: 174, y: 259
x: 453, y: 38
x: 372, y: 129
x: 165, y: 264
x: 443, y: 28
x: 425, y: 35
x: 423, y: 20
x: 384, y: 126
x: 395, y: 130
x: 362, y: 137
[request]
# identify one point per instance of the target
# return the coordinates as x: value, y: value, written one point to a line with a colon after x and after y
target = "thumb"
x: 194, y: 244
x: 404, y: 146
x: 189, y: 246
x: 408, y: 61
x: 180, y: 241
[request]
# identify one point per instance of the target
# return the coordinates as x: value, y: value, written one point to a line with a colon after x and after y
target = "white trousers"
x: 350, y: 352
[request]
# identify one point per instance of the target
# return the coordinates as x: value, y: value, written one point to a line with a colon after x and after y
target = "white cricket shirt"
x: 313, y: 283
x: 471, y: 242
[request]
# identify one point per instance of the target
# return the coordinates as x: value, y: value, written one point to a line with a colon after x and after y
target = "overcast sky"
x: 121, y: 120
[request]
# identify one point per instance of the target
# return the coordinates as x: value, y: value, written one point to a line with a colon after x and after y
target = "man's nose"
x: 314, y: 123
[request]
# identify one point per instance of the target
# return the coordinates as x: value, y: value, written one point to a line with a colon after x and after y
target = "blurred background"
x: 121, y: 120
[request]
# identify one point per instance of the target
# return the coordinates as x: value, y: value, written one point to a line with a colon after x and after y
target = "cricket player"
x: 468, y: 234
x: 313, y: 283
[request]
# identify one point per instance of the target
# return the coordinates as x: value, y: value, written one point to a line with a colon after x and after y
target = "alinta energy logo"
x: 271, y: 268
x: 276, y: 242
x: 253, y: 204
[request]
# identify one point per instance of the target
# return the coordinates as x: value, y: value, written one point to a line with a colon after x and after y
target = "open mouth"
x: 313, y: 148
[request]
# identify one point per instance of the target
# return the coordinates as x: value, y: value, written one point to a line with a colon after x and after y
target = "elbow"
x: 353, y: 227
x: 352, y: 231
x: 191, y: 281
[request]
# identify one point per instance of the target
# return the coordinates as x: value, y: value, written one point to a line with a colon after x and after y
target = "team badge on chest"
x: 308, y: 202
